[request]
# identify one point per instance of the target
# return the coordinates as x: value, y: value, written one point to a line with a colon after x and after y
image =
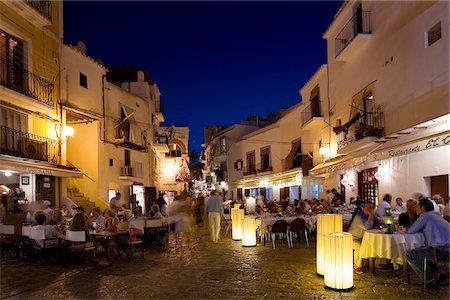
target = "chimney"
x: 81, y: 47
x: 140, y: 76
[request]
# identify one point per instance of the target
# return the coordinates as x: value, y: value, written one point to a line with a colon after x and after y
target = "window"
x: 433, y: 35
x: 127, y: 158
x: 238, y: 164
x: 315, y: 103
x: 14, y: 120
x: 265, y: 159
x: 251, y: 167
x: 111, y: 162
x: 11, y: 61
x: 83, y: 80
x: 175, y: 151
x: 223, y: 145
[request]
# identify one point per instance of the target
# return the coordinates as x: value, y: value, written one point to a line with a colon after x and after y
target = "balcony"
x: 23, y: 144
x: 311, y: 116
x: 161, y: 143
x: 37, y: 12
x: 361, y: 135
x: 263, y: 168
x: 132, y: 169
x: 355, y: 34
x: 16, y: 78
x: 250, y: 171
x: 122, y: 138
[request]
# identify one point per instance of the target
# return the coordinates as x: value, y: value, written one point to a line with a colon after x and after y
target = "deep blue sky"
x: 215, y: 63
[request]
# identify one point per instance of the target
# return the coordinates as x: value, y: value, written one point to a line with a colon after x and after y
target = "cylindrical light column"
x: 236, y: 222
x: 326, y: 224
x: 249, y: 232
x: 339, y: 260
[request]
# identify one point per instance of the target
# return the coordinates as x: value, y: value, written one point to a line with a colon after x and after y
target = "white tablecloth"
x: 375, y: 243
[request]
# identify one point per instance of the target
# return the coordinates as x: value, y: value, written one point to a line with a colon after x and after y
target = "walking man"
x: 214, y: 210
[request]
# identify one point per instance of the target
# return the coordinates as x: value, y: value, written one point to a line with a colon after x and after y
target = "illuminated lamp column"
x: 339, y: 261
x: 326, y: 224
x: 249, y: 232
x: 237, y: 215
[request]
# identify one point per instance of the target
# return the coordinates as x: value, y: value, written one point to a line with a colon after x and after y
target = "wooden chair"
x: 298, y: 227
x: 134, y: 241
x: 279, y: 228
x: 76, y: 247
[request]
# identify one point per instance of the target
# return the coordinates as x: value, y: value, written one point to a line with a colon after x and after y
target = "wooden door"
x: 439, y: 185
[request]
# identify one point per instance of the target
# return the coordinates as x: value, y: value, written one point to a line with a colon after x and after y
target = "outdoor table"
x: 376, y: 243
x: 106, y: 237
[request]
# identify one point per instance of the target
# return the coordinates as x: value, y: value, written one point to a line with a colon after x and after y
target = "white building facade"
x: 388, y: 89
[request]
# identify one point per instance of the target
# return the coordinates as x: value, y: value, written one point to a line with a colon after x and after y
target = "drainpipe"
x: 103, y: 107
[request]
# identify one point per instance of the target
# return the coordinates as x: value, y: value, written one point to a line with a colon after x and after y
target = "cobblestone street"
x: 200, y: 269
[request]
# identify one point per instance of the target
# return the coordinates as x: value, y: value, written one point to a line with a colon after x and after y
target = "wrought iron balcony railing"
x: 359, y: 23
x: 23, y: 144
x: 15, y: 77
x: 311, y: 111
x: 43, y: 7
x: 371, y: 125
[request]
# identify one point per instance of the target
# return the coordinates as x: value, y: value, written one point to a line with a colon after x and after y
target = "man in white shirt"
x: 49, y: 230
x: 399, y: 207
x: 97, y: 218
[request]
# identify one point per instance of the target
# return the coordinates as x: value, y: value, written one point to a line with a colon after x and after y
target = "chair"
x: 8, y: 241
x: 24, y: 243
x: 298, y: 226
x: 228, y: 223
x: 280, y: 228
x: 42, y: 246
x: 76, y: 246
x: 440, y: 260
x: 155, y: 230
x: 133, y: 242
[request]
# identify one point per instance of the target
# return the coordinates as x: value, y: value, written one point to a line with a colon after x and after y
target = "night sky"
x: 215, y: 63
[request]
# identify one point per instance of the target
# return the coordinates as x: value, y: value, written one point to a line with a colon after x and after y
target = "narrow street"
x: 200, y: 269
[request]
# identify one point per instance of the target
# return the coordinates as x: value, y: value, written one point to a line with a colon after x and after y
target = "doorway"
x: 439, y: 185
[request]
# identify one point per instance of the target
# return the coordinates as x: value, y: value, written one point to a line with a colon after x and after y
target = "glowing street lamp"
x: 339, y: 261
x: 237, y: 215
x: 249, y: 232
x: 326, y: 224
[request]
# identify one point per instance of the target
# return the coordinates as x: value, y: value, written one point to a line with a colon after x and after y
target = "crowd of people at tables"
x: 420, y: 213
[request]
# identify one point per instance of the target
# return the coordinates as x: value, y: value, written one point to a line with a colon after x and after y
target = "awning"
x: 41, y: 168
x: 397, y: 147
x: 348, y: 161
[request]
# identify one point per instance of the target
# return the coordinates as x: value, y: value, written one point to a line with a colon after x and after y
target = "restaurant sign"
x: 442, y: 139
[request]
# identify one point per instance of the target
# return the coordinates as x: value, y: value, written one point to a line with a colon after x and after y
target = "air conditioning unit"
x: 127, y: 171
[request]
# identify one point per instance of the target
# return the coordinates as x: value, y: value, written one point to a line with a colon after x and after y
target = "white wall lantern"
x: 68, y: 131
